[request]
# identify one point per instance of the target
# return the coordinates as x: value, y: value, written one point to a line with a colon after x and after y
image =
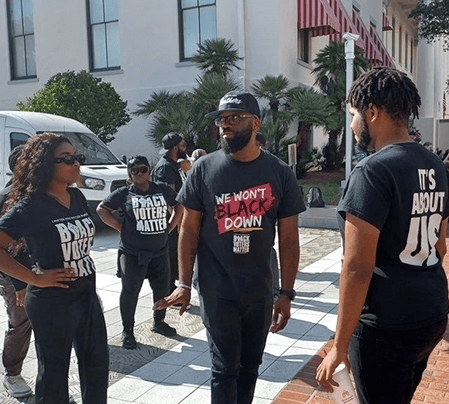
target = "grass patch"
x: 330, y: 191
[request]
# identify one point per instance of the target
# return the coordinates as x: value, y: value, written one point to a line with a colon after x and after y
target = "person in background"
x: 18, y: 334
x: 143, y: 242
x: 393, y: 217
x: 167, y: 170
x: 184, y: 166
x: 61, y: 299
x: 233, y: 199
x: 197, y: 154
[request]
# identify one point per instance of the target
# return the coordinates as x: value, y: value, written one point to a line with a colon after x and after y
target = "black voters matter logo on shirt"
x: 243, y: 211
x: 150, y: 213
x: 427, y: 208
x: 77, y: 235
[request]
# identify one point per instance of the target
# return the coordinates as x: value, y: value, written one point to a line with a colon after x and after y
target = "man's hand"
x: 327, y: 368
x: 54, y: 278
x: 20, y: 297
x: 179, y: 295
x: 281, y: 314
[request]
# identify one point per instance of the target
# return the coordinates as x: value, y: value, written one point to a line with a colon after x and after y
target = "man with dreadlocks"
x: 393, y: 217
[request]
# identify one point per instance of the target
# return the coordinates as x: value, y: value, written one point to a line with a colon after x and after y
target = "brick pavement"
x: 434, y: 387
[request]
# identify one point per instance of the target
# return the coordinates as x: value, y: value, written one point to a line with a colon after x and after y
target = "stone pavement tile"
x: 166, y: 394
x: 130, y: 388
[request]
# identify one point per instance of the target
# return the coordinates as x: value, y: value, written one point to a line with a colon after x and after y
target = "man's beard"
x: 182, y: 155
x: 238, y: 142
x: 364, y: 137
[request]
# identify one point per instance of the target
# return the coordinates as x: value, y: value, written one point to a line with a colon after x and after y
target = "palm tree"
x: 310, y: 108
x: 272, y: 88
x: 217, y: 56
x: 330, y: 71
x: 210, y: 89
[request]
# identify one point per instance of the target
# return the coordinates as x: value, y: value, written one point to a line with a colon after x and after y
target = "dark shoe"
x: 129, y: 342
x: 161, y: 327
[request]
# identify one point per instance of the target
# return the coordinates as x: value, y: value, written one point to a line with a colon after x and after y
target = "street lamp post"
x: 350, y: 40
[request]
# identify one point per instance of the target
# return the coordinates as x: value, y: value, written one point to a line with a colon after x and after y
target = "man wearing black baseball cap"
x: 167, y: 170
x: 232, y: 200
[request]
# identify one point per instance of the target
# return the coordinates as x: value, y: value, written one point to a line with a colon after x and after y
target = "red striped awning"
x: 386, y: 23
x: 346, y: 24
x: 371, y: 49
x: 386, y: 59
x: 317, y: 16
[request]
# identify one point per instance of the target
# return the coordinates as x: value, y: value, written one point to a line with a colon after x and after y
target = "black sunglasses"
x: 70, y: 159
x: 143, y: 170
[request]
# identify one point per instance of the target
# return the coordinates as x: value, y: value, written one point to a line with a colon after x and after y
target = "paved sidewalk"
x: 434, y: 387
x: 177, y: 370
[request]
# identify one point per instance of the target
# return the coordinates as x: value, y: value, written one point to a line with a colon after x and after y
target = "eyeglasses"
x: 143, y: 170
x: 70, y: 159
x: 231, y: 119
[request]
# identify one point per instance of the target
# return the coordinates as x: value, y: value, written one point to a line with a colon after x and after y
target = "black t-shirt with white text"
x: 56, y: 236
x: 240, y: 204
x: 146, y: 214
x: 402, y: 190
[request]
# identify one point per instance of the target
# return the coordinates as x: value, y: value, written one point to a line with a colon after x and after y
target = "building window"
x: 400, y: 44
x: 304, y: 45
x: 197, y: 22
x: 393, y: 37
x: 21, y: 39
x: 104, y: 39
x: 406, y: 51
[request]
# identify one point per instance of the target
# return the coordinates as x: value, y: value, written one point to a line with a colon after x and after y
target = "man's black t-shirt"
x: 56, y: 236
x: 167, y: 170
x: 145, y: 221
x: 402, y: 191
x: 240, y: 204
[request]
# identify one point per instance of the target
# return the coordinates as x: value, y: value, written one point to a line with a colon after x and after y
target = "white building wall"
x: 264, y: 31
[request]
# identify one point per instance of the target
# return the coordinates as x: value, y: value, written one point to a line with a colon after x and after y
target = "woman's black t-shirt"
x: 146, y: 215
x: 56, y: 236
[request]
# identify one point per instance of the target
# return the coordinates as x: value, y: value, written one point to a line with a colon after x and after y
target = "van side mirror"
x: 124, y: 159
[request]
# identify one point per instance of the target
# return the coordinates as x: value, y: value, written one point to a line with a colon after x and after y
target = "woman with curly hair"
x: 61, y: 300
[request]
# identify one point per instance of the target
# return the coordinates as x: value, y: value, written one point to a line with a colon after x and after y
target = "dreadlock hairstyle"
x: 34, y: 168
x: 388, y: 89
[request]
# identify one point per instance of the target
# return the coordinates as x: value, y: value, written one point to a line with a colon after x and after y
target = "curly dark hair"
x: 388, y: 89
x: 34, y: 169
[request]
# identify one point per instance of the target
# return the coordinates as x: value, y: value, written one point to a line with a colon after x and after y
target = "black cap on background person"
x: 169, y: 141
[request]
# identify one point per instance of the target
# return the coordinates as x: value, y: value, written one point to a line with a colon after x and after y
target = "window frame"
x: 89, y: 26
x: 304, y: 45
x: 182, y: 57
x: 12, y: 64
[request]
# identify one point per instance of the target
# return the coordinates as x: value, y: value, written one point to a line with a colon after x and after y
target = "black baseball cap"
x: 239, y: 102
x: 169, y: 141
x: 137, y: 160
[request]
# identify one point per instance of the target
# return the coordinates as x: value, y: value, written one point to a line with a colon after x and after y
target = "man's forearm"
x: 187, y: 246
x: 354, y: 283
x: 288, y: 251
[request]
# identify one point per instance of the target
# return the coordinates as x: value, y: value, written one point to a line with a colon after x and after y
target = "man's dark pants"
x: 18, y: 335
x: 388, y: 364
x: 236, y: 333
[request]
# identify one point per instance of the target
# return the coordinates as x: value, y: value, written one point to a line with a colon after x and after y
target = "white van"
x: 102, y: 172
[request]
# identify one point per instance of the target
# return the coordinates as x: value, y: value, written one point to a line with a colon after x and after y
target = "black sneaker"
x: 161, y: 327
x: 129, y: 342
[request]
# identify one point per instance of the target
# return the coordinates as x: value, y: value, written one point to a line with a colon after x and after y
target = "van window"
x: 92, y: 147
x: 17, y: 139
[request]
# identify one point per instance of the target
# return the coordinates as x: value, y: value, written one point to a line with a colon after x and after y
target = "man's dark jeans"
x: 237, y: 333
x: 388, y: 364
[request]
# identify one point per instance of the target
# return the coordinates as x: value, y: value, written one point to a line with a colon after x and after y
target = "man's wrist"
x: 185, y: 286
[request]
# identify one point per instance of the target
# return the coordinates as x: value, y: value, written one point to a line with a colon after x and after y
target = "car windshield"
x: 93, y: 148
